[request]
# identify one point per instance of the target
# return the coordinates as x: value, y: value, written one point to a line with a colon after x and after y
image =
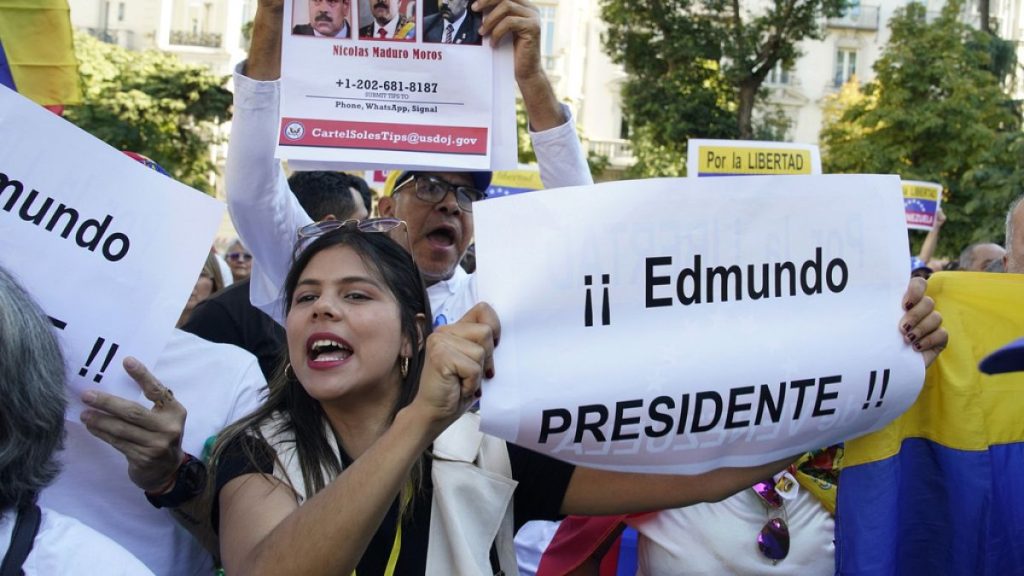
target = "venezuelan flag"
x: 940, y: 491
x: 37, y: 55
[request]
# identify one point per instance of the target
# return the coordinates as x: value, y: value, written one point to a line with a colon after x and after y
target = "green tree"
x: 696, y: 67
x: 936, y: 111
x: 153, y: 104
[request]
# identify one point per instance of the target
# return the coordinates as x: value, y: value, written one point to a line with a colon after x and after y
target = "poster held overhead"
x: 921, y: 202
x: 386, y: 100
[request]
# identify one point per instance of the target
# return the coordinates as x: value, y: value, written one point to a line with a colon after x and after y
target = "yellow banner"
x: 768, y: 161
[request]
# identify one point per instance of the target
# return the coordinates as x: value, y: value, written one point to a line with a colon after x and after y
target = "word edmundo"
x: 696, y: 284
x: 89, y: 233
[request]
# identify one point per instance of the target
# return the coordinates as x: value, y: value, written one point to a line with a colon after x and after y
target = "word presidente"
x: 666, y: 415
x: 88, y: 235
x: 696, y: 284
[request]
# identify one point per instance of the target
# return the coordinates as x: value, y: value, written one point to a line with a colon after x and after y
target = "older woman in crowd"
x: 32, y: 403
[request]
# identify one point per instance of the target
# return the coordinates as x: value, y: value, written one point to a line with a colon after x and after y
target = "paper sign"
x: 109, y: 248
x: 921, y: 202
x: 507, y: 182
x: 704, y: 323
x: 749, y: 157
x: 397, y: 96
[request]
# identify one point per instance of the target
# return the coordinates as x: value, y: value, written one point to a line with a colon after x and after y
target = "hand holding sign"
x: 922, y: 325
x: 149, y: 438
x: 459, y: 356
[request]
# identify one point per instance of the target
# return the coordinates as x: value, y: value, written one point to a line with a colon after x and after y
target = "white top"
x: 266, y: 214
x: 217, y: 384
x: 721, y: 538
x: 64, y: 545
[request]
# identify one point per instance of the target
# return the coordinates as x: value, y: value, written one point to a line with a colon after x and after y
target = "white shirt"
x: 266, y: 214
x: 217, y: 384
x: 709, y: 539
x: 64, y: 545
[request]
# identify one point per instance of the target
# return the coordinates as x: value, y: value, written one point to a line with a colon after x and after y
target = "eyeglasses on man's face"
x: 432, y: 190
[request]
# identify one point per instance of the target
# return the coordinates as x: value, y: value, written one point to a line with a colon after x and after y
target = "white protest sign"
x: 921, y: 202
x: 750, y: 157
x: 678, y: 325
x: 404, y: 99
x: 109, y: 248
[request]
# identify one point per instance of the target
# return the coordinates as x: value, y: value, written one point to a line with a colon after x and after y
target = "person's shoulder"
x: 303, y: 30
x: 366, y: 30
x: 64, y: 545
x: 431, y: 19
x: 186, y: 352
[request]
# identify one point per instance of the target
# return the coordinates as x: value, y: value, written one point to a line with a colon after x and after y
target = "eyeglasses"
x: 773, y: 539
x: 239, y: 256
x: 432, y: 190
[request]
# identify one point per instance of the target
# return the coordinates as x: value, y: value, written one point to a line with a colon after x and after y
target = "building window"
x: 120, y: 12
x: 779, y: 75
x: 547, y: 35
x: 846, y: 66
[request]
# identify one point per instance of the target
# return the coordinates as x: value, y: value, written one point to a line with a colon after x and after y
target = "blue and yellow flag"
x: 941, y: 489
x: 37, y: 56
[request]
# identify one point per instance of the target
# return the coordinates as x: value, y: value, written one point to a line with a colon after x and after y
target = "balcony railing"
x: 189, y: 38
x: 858, y: 18
x: 122, y: 38
x: 618, y: 152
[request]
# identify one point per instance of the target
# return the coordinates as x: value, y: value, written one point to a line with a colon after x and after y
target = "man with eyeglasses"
x: 437, y: 206
x: 327, y: 19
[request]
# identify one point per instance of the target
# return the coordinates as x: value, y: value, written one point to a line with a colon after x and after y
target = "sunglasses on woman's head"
x: 309, y: 232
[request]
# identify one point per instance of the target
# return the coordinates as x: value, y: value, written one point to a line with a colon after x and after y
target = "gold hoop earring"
x: 405, y: 366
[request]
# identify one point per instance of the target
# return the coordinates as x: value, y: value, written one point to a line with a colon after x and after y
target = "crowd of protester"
x: 312, y: 411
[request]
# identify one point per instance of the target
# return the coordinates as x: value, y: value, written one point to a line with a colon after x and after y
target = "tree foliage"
x: 937, y: 111
x: 153, y: 104
x: 696, y: 67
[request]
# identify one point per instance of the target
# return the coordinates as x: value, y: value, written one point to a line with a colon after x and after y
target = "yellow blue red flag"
x: 941, y: 489
x: 37, y: 55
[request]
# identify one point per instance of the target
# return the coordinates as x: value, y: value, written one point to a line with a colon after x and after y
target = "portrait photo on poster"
x: 451, y: 22
x: 322, y: 18
x: 387, y: 20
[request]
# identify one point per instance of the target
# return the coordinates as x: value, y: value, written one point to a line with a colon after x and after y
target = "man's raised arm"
x: 552, y: 129
x: 263, y: 209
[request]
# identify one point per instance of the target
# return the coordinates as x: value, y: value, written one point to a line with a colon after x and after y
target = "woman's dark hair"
x: 301, y: 414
